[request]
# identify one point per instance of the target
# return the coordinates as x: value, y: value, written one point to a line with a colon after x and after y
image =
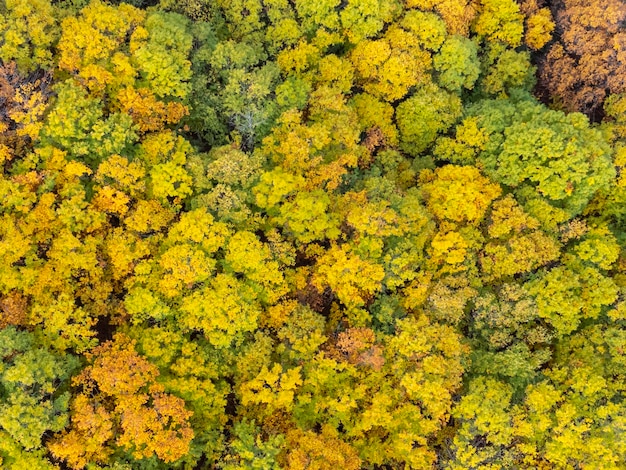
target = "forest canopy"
x: 312, y: 235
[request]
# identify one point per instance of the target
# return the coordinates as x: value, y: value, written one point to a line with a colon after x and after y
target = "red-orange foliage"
x: 589, y: 60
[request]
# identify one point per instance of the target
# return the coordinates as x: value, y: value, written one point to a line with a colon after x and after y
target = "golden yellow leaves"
x: 123, y: 175
x: 321, y: 150
x: 274, y: 388
x: 246, y: 255
x: 199, y: 227
x: 27, y: 105
x: 351, y: 278
x: 324, y: 451
x: 299, y: 58
x: 86, y: 442
x: 539, y: 28
x: 459, y: 194
x: 223, y: 311
x: 124, y: 250
x: 186, y: 254
x: 28, y: 30
x: 521, y: 248
x: 166, y: 154
x: 388, y: 67
x: 183, y: 266
x: 89, y: 41
x: 372, y: 218
x: 500, y: 20
x: 507, y: 217
x: 148, y: 216
x: 111, y: 200
x: 449, y: 248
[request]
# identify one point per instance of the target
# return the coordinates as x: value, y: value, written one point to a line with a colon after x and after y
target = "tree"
x: 353, y: 279
x: 426, y: 114
x: 499, y: 20
x: 76, y: 124
x: 390, y: 66
x: 121, y: 399
x: 457, y: 64
x: 516, y: 246
x: 539, y: 24
x: 29, y: 29
x: 558, y: 155
x: 565, y: 296
x: 34, y: 398
x: 585, y: 65
x: 459, y: 194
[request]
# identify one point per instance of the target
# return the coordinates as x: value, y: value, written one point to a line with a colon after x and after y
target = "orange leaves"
x: 122, y: 399
x: 162, y: 429
x: 586, y: 64
x: 118, y: 370
x: 149, y: 113
x: 13, y: 309
x: 86, y: 441
x: 358, y: 344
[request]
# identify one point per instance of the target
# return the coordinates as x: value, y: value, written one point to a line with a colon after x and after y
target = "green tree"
x: 426, y: 114
x: 564, y: 160
x: 34, y: 395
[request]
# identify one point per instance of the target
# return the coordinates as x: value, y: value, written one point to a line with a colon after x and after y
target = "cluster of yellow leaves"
x: 517, y: 246
x: 351, y: 278
x: 321, y: 151
x: 273, y: 388
x: 388, y: 67
x: 165, y: 154
x: 460, y: 194
x: 323, y: 451
x: 91, y: 45
x: 28, y: 29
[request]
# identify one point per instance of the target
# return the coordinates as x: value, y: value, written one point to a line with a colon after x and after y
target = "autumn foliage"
x: 271, y: 234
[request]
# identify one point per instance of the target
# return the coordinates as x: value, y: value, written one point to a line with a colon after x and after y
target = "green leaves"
x: 76, y: 124
x: 422, y: 117
x: 31, y: 382
x: 558, y: 155
x: 162, y: 61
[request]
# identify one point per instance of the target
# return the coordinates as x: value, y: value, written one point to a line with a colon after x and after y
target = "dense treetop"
x: 271, y: 234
